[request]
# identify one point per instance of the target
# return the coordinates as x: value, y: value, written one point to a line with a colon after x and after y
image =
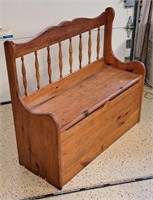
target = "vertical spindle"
x: 98, y: 43
x: 70, y: 54
x: 89, y: 48
x: 80, y: 51
x: 60, y: 60
x: 37, y: 70
x: 24, y: 75
x: 49, y: 64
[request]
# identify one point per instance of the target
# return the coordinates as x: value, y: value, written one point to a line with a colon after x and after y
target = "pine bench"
x: 61, y: 127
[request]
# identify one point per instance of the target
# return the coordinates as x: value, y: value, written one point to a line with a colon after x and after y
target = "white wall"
x: 28, y: 18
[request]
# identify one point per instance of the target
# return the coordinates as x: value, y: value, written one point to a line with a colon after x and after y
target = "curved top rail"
x: 63, y: 31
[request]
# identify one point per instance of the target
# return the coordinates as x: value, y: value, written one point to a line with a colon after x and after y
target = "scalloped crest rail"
x: 62, y: 127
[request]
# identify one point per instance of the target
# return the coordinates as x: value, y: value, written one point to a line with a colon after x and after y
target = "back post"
x: 108, y: 53
x: 11, y: 69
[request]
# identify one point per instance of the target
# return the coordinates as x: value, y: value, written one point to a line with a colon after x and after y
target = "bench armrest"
x: 136, y: 67
x: 109, y: 57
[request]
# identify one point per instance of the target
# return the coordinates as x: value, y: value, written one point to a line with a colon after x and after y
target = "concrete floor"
x: 129, y: 158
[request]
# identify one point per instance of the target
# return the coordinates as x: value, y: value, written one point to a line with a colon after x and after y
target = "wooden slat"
x: 24, y: 75
x: 80, y: 51
x: 70, y: 54
x: 98, y: 42
x: 89, y: 48
x: 60, y: 60
x: 58, y: 33
x: 37, y: 70
x: 49, y: 65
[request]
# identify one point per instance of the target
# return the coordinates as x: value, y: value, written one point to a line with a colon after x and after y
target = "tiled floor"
x: 129, y: 158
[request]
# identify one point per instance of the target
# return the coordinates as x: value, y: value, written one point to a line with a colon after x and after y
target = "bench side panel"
x: 37, y: 135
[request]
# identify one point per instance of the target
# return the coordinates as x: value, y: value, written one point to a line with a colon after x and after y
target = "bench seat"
x: 72, y: 104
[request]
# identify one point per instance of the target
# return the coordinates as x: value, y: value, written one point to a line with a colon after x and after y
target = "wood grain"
x: 49, y: 91
x: 37, y: 70
x: 49, y: 65
x: 38, y: 149
x: 60, y: 60
x: 24, y: 76
x: 63, y: 126
x: 80, y: 51
x: 98, y: 42
x: 107, y: 123
x: 63, y: 31
x: 70, y: 112
x: 89, y: 48
x: 70, y: 55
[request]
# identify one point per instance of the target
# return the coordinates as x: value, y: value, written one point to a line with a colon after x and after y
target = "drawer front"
x: 87, y: 139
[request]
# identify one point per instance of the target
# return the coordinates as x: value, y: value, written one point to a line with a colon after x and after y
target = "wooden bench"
x: 61, y: 127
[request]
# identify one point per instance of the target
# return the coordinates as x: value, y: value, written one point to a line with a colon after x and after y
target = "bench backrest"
x: 56, y: 35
